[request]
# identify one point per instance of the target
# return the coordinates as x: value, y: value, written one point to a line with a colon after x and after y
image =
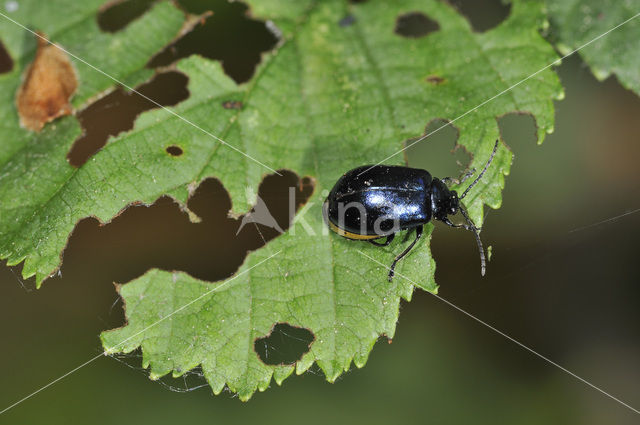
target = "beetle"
x: 377, y: 201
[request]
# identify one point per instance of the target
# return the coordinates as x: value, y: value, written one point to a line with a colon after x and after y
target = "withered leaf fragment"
x: 47, y: 87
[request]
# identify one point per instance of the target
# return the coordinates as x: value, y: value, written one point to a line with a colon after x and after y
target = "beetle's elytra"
x: 377, y: 201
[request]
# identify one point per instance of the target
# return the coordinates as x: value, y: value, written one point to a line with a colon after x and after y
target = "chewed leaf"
x: 334, y: 95
x: 34, y: 167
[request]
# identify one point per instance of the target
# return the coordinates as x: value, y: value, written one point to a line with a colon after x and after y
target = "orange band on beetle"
x: 350, y: 235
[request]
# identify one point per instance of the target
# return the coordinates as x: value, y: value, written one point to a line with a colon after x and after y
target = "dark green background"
x: 572, y: 296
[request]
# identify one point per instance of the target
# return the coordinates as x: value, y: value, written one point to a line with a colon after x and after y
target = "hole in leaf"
x: 358, y: 1
x: 232, y: 104
x: 174, y: 150
x: 284, y: 345
x: 517, y: 126
x: 434, y: 79
x: 162, y: 235
x: 483, y: 14
x: 117, y: 111
x: 415, y: 25
x: 117, y: 14
x: 6, y: 63
x: 347, y: 21
x: 438, y: 153
x: 229, y: 35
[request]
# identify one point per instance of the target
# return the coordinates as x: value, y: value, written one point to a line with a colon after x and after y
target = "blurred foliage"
x: 578, y: 22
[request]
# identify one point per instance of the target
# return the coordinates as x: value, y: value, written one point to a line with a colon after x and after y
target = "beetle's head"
x: 444, y: 201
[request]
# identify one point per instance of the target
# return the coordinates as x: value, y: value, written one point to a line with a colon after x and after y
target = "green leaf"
x: 577, y: 22
x: 331, y: 97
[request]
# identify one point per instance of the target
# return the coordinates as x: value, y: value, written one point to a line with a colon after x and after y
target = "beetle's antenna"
x: 495, y: 148
x: 474, y: 229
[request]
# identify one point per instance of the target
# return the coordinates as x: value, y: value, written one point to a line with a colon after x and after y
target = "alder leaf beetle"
x: 377, y: 201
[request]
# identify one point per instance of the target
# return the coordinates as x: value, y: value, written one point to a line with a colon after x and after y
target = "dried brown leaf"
x: 47, y: 87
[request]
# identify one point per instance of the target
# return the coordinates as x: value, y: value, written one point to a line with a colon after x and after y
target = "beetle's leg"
x: 385, y: 243
x: 449, y: 223
x: 447, y: 180
x: 405, y: 252
x: 462, y: 179
x: 467, y: 175
x: 463, y: 226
